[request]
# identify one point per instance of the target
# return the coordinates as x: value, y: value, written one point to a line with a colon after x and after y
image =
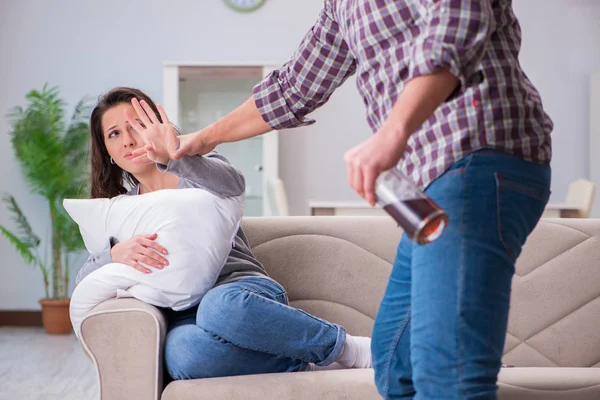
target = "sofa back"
x: 555, y: 301
x: 337, y: 268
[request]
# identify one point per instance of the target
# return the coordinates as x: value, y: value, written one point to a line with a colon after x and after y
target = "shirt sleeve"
x: 211, y: 172
x: 95, y: 261
x: 305, y: 82
x: 455, y: 37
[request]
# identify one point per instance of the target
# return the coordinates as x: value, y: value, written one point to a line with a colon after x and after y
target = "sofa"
x: 337, y: 268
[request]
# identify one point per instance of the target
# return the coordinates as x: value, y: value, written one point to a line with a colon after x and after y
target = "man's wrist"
x: 211, y: 135
x: 395, y: 131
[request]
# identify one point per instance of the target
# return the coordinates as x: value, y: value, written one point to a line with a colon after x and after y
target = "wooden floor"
x: 36, y: 366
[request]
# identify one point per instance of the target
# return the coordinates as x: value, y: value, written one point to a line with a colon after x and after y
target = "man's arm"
x: 282, y: 100
x: 419, y: 99
x: 242, y: 123
x: 454, y: 38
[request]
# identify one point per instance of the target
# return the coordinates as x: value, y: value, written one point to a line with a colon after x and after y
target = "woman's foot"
x: 356, y: 352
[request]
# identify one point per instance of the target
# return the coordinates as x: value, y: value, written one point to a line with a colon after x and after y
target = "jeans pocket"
x: 520, y: 204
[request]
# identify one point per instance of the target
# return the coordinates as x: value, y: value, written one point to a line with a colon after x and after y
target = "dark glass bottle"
x: 420, y: 217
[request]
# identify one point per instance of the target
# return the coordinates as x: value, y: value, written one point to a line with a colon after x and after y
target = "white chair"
x: 277, y: 197
x: 580, y: 198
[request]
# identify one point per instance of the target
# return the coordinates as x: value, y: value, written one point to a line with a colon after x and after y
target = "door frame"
x: 171, y: 74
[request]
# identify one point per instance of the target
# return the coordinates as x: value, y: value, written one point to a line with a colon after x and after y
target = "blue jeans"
x: 440, y: 329
x: 246, y: 327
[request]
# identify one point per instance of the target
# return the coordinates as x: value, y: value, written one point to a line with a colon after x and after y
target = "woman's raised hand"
x: 160, y: 138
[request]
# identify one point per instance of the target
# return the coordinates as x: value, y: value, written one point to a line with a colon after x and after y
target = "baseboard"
x: 20, y: 318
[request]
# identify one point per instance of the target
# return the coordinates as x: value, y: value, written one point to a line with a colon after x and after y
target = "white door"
x: 595, y: 138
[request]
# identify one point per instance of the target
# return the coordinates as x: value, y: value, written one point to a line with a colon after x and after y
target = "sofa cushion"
x: 549, y: 384
x: 354, y: 384
x: 514, y: 384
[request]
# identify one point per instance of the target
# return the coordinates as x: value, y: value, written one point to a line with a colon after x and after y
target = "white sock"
x: 356, y: 352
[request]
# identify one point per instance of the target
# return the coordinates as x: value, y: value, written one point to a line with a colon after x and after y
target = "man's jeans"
x: 440, y: 329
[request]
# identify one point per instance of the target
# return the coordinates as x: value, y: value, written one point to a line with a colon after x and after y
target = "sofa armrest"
x: 125, y: 339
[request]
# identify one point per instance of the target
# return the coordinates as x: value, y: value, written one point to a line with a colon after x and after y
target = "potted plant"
x: 53, y: 156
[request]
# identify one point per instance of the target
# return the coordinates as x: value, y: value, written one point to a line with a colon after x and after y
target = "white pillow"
x: 195, y: 226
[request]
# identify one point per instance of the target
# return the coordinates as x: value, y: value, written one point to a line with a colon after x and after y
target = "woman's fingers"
x: 139, y: 152
x: 150, y: 252
x: 146, y: 256
x: 149, y: 112
x: 148, y: 242
x: 142, y: 158
x: 135, y: 124
x: 139, y: 267
x: 163, y: 114
x: 140, y: 112
x: 152, y: 258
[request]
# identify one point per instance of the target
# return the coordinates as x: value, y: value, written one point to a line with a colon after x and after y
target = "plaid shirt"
x: 388, y: 43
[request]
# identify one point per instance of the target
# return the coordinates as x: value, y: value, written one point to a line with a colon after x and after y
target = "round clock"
x: 245, y: 5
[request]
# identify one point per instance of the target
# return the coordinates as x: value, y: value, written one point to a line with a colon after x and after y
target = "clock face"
x: 245, y: 5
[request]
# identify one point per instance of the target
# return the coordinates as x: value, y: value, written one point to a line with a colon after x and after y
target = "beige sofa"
x: 337, y: 268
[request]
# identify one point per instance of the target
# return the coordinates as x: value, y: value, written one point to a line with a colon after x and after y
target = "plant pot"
x: 55, y: 316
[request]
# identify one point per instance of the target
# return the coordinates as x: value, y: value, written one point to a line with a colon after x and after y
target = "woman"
x: 244, y: 324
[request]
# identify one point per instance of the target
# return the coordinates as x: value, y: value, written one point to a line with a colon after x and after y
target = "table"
x: 562, y: 210
x: 344, y: 208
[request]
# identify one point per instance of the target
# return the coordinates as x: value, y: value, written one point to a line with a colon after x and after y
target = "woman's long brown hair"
x: 107, y: 179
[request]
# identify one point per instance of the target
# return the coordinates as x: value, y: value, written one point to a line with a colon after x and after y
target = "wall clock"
x: 245, y: 5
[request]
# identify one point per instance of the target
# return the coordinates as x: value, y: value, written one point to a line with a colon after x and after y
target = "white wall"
x: 88, y: 47
x: 561, y: 48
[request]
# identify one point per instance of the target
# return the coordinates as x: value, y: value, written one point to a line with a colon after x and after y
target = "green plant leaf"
x: 69, y: 231
x: 22, y: 248
x: 76, y: 138
x: 25, y: 231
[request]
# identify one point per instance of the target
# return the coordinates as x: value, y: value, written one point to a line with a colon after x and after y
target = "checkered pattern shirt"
x: 387, y: 43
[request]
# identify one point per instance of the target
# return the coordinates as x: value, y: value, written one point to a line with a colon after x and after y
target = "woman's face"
x: 121, y: 139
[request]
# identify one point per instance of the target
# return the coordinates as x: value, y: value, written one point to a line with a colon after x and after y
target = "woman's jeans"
x: 246, y: 327
x: 440, y: 330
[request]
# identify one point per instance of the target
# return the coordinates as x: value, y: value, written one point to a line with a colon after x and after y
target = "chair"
x: 277, y: 197
x: 580, y: 198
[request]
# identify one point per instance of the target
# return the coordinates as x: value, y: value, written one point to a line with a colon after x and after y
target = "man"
x: 450, y: 105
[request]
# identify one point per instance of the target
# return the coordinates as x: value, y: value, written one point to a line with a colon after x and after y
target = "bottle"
x: 420, y: 217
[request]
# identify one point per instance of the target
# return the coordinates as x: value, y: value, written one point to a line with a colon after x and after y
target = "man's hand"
x: 193, y: 144
x: 369, y: 159
x: 159, y: 137
x: 419, y: 99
